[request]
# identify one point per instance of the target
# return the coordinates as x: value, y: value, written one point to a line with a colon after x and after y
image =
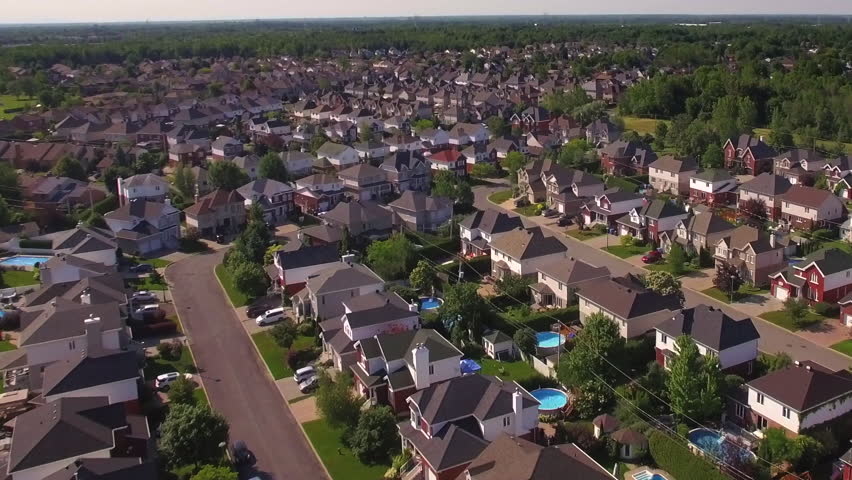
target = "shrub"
x: 675, y: 458
x: 170, y: 350
x: 826, y: 309
x: 626, y: 240
x: 538, y: 381
x: 306, y: 329
x: 473, y: 350
x: 581, y: 434
x: 406, y: 293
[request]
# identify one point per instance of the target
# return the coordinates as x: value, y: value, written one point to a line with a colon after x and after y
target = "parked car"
x: 241, y: 454
x: 653, y: 256
x: 564, y: 221
x: 143, y: 296
x: 142, y: 268
x: 220, y: 239
x: 309, y: 384
x: 270, y: 316
x: 163, y: 381
x: 304, y: 373
x: 146, y: 309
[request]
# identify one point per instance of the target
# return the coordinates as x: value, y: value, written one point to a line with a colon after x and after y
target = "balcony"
x: 416, y: 473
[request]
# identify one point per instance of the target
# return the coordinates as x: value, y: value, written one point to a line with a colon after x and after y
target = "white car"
x: 147, y: 309
x: 270, y: 316
x: 166, y: 379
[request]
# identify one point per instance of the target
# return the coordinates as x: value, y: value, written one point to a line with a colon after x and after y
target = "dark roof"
x: 707, y: 223
x: 370, y: 347
x: 713, y: 175
x: 745, y: 236
x: 117, y: 468
x: 308, y: 256
x: 808, y: 196
x: 492, y: 221
x: 342, y: 276
x: 627, y: 297
x: 414, y: 201
x: 828, y: 260
x: 63, y: 319
x: 82, y: 372
x: 657, y: 209
x: 710, y: 327
x: 804, y: 386
x: 395, y: 346
x: 376, y: 308
x: 496, y: 337
x: 571, y: 271
x: 482, y: 396
x: 670, y: 163
x: 523, y: 244
x: 456, y: 443
x: 767, y: 184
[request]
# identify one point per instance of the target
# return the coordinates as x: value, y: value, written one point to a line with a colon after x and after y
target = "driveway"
x: 773, y: 338
x: 237, y: 382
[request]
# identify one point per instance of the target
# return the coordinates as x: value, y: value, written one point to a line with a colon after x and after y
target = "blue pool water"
x: 2, y: 312
x: 714, y: 443
x: 550, y: 398
x: 430, y: 303
x: 23, y: 261
x: 549, y: 339
x: 646, y: 475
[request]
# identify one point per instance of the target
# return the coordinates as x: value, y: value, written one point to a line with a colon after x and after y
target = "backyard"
x: 238, y: 298
x: 13, y: 102
x: 274, y: 356
x: 17, y: 278
x: 500, y: 197
x: 517, y: 371
x: 539, y: 321
x: 340, y: 462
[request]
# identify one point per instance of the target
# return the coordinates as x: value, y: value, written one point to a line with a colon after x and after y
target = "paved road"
x: 235, y: 378
x: 772, y: 338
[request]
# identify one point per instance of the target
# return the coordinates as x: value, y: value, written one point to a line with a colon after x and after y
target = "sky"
x: 100, y: 11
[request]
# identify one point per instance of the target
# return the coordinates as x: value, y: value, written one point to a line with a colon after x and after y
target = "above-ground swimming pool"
x: 430, y: 303
x: 549, y: 339
x: 23, y: 261
x: 551, y: 399
x: 714, y: 443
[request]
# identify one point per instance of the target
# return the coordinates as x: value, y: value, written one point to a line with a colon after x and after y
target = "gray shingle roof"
x: 523, y: 244
x: 710, y: 327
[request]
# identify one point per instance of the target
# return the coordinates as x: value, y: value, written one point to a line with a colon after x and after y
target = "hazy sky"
x: 40, y: 11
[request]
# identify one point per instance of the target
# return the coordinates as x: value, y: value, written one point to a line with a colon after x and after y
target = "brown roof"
x: 528, y: 243
x: 767, y: 184
x: 216, y: 199
x: 808, y: 196
x: 670, y: 163
x: 804, y: 386
x: 626, y: 297
x: 571, y: 271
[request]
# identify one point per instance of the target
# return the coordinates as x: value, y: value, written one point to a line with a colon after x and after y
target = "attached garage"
x: 781, y: 293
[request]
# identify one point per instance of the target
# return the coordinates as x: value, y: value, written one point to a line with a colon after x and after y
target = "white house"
x: 523, y: 252
x: 145, y: 186
x: 296, y: 266
x: 338, y: 155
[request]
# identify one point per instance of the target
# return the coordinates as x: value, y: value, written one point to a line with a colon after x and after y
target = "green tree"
x: 753, y: 212
x: 585, y: 364
x: 464, y: 195
x: 464, y: 310
x: 111, y: 176
x: 191, y: 434
x: 375, y: 437
x: 284, y: 334
x: 574, y: 153
x: 185, y: 181
x: 676, y: 259
x: 684, y: 383
x: 422, y: 124
x: 423, y: 277
x: 5, y: 213
x: 254, y: 240
x: 660, y: 132
x: 663, y: 283
x: 9, y: 186
x: 483, y: 170
x: 797, y: 310
x: 345, y: 241
x: 593, y: 397
x: 365, y: 132
x: 70, y: 167
x: 147, y: 162
x: 180, y: 392
x: 391, y: 258
x: 497, y: 126
x: 444, y: 184
x: 212, y: 472
x: 272, y: 167
x: 713, y: 157
x: 513, y: 162
x: 249, y: 278
x: 514, y: 286
x: 588, y: 113
x: 768, y: 363
x: 525, y: 340
x: 227, y: 175
x: 712, y: 383
x: 776, y: 447
x: 336, y: 399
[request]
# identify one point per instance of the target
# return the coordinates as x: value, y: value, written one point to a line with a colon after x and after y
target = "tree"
x: 497, y: 126
x: 444, y: 184
x: 185, y: 181
x: 9, y: 182
x: 423, y: 277
x: 663, y: 283
x: 365, y: 131
x: 464, y: 195
x: 676, y: 259
x: 345, y: 241
x: 592, y: 398
x: 422, y: 124
x: 272, y: 167
x: 600, y: 339
x: 753, y: 212
x: 391, y: 258
x: 226, y: 175
x: 254, y: 215
x: 684, y: 382
x: 336, y: 400
x: 284, y: 334
x: 374, y: 439
x: 191, y: 434
x: 514, y: 286
x: 463, y: 311
x: 70, y: 167
x: 574, y: 153
x: 797, y: 310
x: 660, y: 132
x: 483, y: 170
x: 713, y: 157
x: 111, y: 176
x: 525, y: 340
x: 588, y: 113
x: 212, y: 472
x: 513, y: 162
x: 249, y: 278
x: 769, y: 363
x: 254, y: 240
x: 180, y: 391
x: 728, y: 278
x: 776, y: 447
x: 147, y: 162
x: 5, y: 213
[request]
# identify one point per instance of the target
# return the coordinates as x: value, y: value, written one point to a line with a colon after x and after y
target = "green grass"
x: 145, y: 283
x: 157, y: 366
x: 723, y: 297
x: 500, y: 197
x: 6, y: 345
x: 844, y: 347
x: 200, y: 397
x: 274, y: 356
x: 538, y: 321
x: 621, y: 251
x: 13, y: 101
x: 642, y: 126
x: 17, y: 278
x: 527, y: 211
x: 780, y: 318
x: 238, y: 298
x: 583, y: 235
x: 665, y: 267
x: 340, y: 462
x: 517, y: 371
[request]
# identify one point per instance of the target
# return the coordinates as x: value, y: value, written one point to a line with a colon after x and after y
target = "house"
x: 298, y: 164
x: 796, y: 398
x: 75, y: 432
x: 142, y: 227
x: 250, y: 164
x: 365, y: 182
x: 318, y: 193
x: 363, y: 218
x: 338, y: 155
x: 325, y: 291
x: 714, y: 187
x: 499, y: 346
x: 558, y: 281
x: 609, y: 206
x: 218, y: 212
x: 753, y: 252
x: 533, y: 119
x: 635, y: 309
x: 800, y: 166
x: 808, y: 208
x: 837, y: 172
x: 90, y: 291
x: 479, y: 229
x: 449, y: 160
x: 601, y: 132
x: 392, y: 366
x: 467, y: 133
x: 452, y: 422
x: 226, y: 148
x: 748, y: 154
x: 671, y: 174
x: 363, y: 317
x: 296, y: 266
x: 823, y: 276
x: 146, y: 186
x: 68, y: 268
x: 624, y: 158
x: 846, y: 465
x: 88, y: 244
x: 767, y: 188
x: 523, y: 251
x: 372, y: 150
x: 701, y: 231
x: 59, y: 194
x: 568, y: 189
x: 420, y: 212
x: 319, y: 235
x: 845, y: 304
x: 275, y: 198
x: 113, y: 375
x: 650, y: 221
x: 514, y: 458
x: 733, y: 342
x: 407, y: 171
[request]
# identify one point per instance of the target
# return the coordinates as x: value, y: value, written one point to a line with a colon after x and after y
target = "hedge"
x: 36, y: 244
x: 675, y: 458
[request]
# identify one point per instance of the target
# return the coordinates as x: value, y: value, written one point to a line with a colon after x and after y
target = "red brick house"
x: 748, y: 153
x: 533, y: 119
x: 626, y: 158
x: 823, y: 276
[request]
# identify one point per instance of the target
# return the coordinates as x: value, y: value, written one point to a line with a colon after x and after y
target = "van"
x: 270, y: 316
x: 304, y: 373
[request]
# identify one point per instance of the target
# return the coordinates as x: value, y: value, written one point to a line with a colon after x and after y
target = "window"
x: 814, y: 277
x: 762, y: 423
x: 760, y: 398
x: 507, y: 421
x: 72, y: 345
x: 739, y: 410
x: 785, y: 412
x: 431, y: 369
x: 664, y: 338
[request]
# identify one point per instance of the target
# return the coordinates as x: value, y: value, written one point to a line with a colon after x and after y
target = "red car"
x: 653, y: 256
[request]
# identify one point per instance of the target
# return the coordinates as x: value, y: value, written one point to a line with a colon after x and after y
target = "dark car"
x: 240, y: 453
x: 220, y: 239
x: 653, y: 256
x: 142, y: 268
x: 564, y: 221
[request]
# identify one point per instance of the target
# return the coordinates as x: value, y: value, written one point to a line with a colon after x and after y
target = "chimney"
x: 412, y: 307
x: 420, y: 356
x: 797, y: 363
x: 86, y: 296
x: 518, y: 409
x: 93, y: 334
x: 349, y: 258
x: 807, y: 367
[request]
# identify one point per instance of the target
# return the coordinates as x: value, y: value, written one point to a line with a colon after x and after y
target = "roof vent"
x: 797, y: 363
x: 807, y: 367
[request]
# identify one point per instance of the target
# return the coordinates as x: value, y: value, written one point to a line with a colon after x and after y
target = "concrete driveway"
x: 236, y: 380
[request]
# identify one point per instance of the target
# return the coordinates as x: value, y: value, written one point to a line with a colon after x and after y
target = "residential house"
x: 671, y: 174
x: 226, y: 148
x: 449, y: 160
x: 650, y: 221
x: 733, y: 342
x: 623, y: 158
x: 325, y: 291
x: 559, y: 281
x: 407, y: 171
x: 95, y: 290
x: 601, y: 132
x: 452, y: 422
x: 298, y: 164
x: 51, y: 194
x: 338, y: 155
x: 86, y: 243
x: 800, y: 166
x: 635, y: 309
x: 808, y: 208
x: 392, y: 366
x: 714, y: 187
x: 146, y: 186
x: 701, y: 231
x: 142, y: 227
x: 319, y: 235
x: 753, y: 252
x: 275, y: 198
x: 318, y: 193
x: 479, y: 229
x: 837, y: 172
x: 219, y: 212
x: 113, y: 375
x: 420, y: 212
x: 363, y: 218
x: 523, y: 251
x: 250, y: 164
x: 467, y: 133
x: 533, y: 119
x: 610, y: 206
x: 767, y: 188
x: 365, y: 182
x: 296, y: 266
x: 823, y: 276
x: 748, y: 154
x: 68, y: 268
x: 372, y: 150
x: 845, y: 304
x: 568, y: 189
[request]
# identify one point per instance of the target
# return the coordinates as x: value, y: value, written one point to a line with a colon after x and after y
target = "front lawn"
x: 844, y: 347
x: 238, y: 298
x: 724, y: 297
x: 780, y: 318
x: 6, y: 345
x: 155, y: 366
x: 146, y: 283
x: 500, y: 197
x: 621, y: 251
x: 527, y: 211
x: 17, y: 278
x: 583, y: 235
x: 517, y: 370
x: 340, y: 462
x: 666, y: 267
x: 274, y: 356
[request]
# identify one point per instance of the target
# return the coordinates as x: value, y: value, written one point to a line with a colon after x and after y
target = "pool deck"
x: 628, y: 475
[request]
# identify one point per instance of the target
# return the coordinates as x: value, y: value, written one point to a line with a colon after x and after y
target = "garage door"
x: 781, y: 293
x: 848, y: 320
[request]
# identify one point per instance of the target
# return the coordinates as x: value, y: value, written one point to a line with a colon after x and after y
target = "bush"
x: 824, y: 234
x: 170, y: 350
x: 626, y: 240
x: 306, y: 329
x: 473, y: 350
x: 538, y: 381
x: 406, y: 293
x: 827, y: 309
x: 36, y: 244
x: 675, y: 458
x: 581, y: 434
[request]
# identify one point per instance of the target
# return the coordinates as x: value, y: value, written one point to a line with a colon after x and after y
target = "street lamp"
x: 732, y: 287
